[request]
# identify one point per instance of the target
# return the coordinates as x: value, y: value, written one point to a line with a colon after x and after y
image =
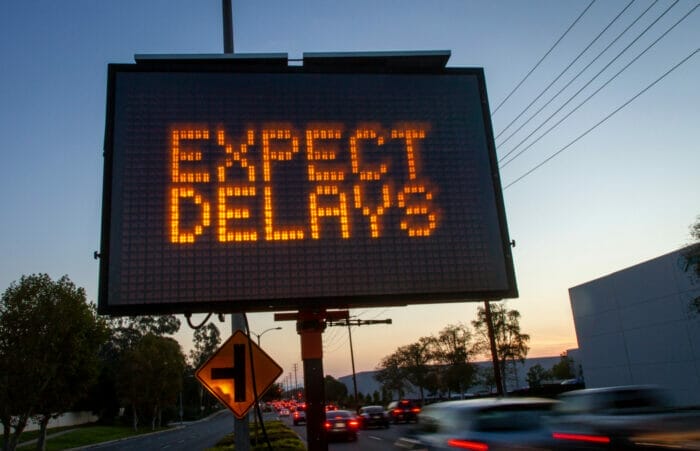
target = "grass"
x: 32, y: 435
x: 281, y: 438
x: 86, y: 435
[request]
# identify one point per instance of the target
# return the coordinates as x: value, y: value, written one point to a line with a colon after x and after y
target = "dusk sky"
x: 625, y: 192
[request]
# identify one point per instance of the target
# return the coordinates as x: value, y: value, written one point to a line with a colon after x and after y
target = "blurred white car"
x: 482, y: 424
x: 624, y: 417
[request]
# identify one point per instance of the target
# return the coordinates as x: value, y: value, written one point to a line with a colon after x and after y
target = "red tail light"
x: 581, y: 437
x: 467, y: 444
x: 415, y: 410
x: 327, y: 425
x: 353, y: 424
x: 398, y: 411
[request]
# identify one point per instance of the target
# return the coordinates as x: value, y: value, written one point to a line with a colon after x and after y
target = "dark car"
x: 341, y: 425
x: 483, y: 424
x: 373, y: 416
x: 403, y: 411
x: 299, y: 415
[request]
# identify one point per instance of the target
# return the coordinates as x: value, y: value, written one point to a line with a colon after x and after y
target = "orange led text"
x: 230, y: 195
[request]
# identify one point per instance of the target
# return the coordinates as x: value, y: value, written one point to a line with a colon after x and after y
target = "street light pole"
x: 263, y: 332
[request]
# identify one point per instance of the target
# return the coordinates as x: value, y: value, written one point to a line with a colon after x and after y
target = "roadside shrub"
x: 280, y: 435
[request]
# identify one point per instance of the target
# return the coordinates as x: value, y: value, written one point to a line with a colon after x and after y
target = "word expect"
x: 334, y: 188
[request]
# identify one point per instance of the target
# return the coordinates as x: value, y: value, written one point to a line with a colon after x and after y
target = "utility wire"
x: 256, y: 395
x: 381, y: 313
x: 563, y: 72
x: 593, y: 79
x: 543, y: 57
x: 336, y: 335
x: 597, y: 90
x: 339, y: 346
x: 331, y: 339
x: 573, y: 79
x: 603, y: 120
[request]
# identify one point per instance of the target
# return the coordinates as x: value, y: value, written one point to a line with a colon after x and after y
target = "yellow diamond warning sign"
x: 228, y: 374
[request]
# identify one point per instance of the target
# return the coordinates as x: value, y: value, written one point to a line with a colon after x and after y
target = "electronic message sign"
x: 232, y: 190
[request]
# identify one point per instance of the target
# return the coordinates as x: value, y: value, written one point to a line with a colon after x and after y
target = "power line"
x: 381, y: 313
x: 543, y: 57
x: 571, y: 81
x: 564, y: 71
x: 591, y: 81
x: 339, y: 346
x: 603, y: 120
x: 334, y: 336
x: 595, y: 92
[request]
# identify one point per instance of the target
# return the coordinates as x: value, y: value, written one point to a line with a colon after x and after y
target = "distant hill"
x: 367, y: 384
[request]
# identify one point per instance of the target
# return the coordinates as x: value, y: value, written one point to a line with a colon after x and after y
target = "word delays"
x: 228, y: 374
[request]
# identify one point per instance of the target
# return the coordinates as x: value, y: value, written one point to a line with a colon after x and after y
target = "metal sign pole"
x: 241, y: 429
x: 227, y: 12
x: 310, y: 327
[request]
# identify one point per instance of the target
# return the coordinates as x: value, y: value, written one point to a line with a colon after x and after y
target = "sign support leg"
x: 310, y: 327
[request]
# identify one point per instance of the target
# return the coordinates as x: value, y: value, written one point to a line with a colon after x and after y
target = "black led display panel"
x: 234, y: 190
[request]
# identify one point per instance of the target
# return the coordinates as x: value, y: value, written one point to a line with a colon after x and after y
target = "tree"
x: 390, y: 375
x: 485, y: 377
x: 127, y: 331
x: 150, y: 377
x: 414, y: 360
x: 511, y: 344
x: 274, y: 392
x: 564, y: 369
x: 536, y: 375
x: 693, y: 258
x: 452, y: 350
x: 335, y: 390
x: 49, y: 342
x: 206, y: 342
x: 124, y: 334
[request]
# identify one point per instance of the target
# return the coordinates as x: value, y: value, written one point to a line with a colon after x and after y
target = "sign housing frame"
x: 322, y: 64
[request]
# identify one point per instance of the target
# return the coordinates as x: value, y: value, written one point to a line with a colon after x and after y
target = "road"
x: 200, y: 435
x: 197, y: 435
x: 368, y: 440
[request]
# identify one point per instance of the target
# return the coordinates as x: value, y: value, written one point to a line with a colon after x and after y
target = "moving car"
x: 403, y: 411
x: 483, y: 424
x: 341, y: 425
x: 299, y: 415
x: 623, y: 417
x: 373, y: 416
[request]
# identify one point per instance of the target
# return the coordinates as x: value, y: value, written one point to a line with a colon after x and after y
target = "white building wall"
x: 66, y: 419
x: 636, y: 326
